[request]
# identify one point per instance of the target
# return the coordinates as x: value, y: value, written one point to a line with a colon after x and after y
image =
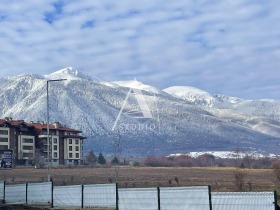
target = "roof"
x: 15, y: 122
x: 52, y: 127
x: 37, y: 125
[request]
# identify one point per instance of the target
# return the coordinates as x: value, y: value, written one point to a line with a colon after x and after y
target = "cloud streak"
x: 228, y: 47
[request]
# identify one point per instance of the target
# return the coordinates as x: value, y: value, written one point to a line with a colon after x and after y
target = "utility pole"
x: 48, y: 126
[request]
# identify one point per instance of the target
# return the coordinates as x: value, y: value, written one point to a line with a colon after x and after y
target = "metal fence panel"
x: 2, y: 185
x: 39, y: 193
x: 100, y: 195
x: 243, y: 200
x: 181, y: 198
x: 67, y: 196
x: 138, y: 199
x: 15, y: 194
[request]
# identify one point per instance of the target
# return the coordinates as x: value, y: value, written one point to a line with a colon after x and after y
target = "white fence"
x: 138, y: 199
x: 100, y: 195
x: 243, y: 201
x: 109, y: 196
x: 67, y: 196
x: 180, y: 198
x: 39, y: 193
x: 15, y: 194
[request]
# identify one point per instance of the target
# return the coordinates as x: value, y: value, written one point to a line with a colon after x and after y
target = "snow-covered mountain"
x: 180, y: 119
x: 191, y: 94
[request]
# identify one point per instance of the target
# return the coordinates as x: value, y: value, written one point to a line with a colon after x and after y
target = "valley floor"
x: 220, y: 178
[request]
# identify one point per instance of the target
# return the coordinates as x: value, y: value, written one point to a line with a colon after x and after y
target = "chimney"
x: 56, y: 124
x: 8, y: 119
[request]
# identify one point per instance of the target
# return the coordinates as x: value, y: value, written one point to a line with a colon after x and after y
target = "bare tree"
x: 248, y: 160
x: 177, y: 181
x: 276, y: 172
x: 238, y: 152
x: 239, y: 179
x: 39, y: 159
x: 217, y: 185
x: 170, y: 182
x: 90, y: 158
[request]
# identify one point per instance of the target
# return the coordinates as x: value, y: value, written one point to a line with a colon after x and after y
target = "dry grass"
x: 221, y: 179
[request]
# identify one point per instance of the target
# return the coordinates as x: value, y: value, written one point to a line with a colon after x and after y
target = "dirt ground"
x: 20, y: 207
x: 220, y: 178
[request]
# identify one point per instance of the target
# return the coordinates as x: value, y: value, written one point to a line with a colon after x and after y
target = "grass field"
x: 220, y: 178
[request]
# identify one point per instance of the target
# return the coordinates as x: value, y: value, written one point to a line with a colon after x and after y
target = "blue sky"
x: 230, y: 47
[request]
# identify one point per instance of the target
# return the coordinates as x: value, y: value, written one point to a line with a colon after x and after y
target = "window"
x: 3, y: 139
x: 70, y: 141
x: 77, y: 141
x: 55, y: 154
x: 54, y: 160
x: 27, y: 140
x: 70, y: 148
x: 54, y: 147
x: 55, y: 140
x: 29, y: 155
x: 77, y: 148
x: 3, y: 132
x: 27, y: 147
x: 3, y: 147
x: 5, y: 125
x: 70, y: 155
x: 77, y: 155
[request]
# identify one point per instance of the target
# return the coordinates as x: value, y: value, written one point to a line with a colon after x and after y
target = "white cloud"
x: 229, y: 47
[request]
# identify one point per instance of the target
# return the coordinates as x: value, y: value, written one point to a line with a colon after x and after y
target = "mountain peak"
x: 68, y: 70
x: 67, y: 73
x: 191, y: 94
x: 134, y: 84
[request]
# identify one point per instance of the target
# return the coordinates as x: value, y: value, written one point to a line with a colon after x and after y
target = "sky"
x: 229, y: 47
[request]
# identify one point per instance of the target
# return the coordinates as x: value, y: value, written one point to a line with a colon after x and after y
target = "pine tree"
x: 101, y: 160
x: 115, y: 161
x: 91, y: 158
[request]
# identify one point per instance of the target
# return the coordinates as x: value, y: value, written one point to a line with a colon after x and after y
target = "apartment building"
x: 28, y: 142
x: 65, y: 146
x: 18, y: 136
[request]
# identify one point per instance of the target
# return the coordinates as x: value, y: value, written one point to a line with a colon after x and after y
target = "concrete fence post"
x: 275, y: 200
x: 82, y: 196
x: 117, y: 196
x: 158, y: 196
x: 52, y: 195
x: 26, y: 193
x: 210, y: 198
x: 4, y: 192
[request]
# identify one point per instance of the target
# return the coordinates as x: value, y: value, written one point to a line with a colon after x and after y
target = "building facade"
x: 28, y: 141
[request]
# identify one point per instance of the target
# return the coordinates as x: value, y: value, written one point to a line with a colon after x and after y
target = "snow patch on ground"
x: 226, y: 154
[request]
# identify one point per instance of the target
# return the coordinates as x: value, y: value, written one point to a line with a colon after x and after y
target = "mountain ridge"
x: 178, y: 124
